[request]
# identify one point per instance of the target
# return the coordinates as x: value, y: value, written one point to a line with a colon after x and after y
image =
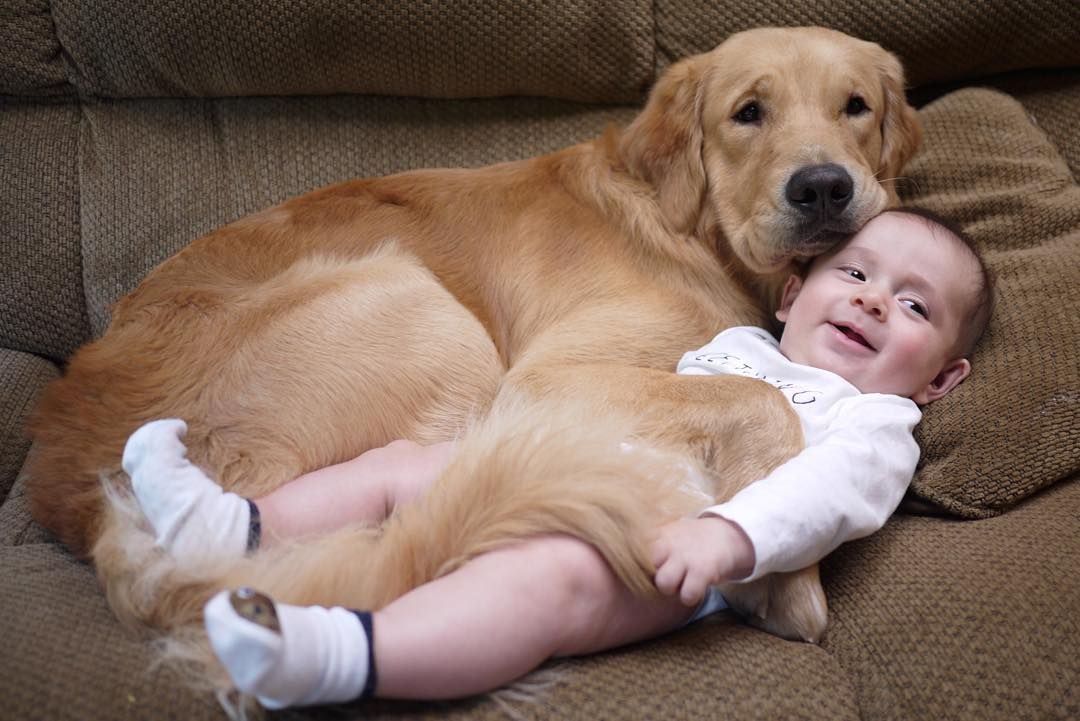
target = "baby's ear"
x: 791, y: 289
x: 951, y: 375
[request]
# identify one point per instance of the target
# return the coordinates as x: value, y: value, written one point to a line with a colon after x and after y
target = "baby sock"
x: 193, y: 518
x: 291, y: 655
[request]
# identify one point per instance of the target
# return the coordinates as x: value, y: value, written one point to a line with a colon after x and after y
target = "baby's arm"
x: 842, y: 488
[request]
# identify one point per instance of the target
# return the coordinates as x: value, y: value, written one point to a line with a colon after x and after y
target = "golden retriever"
x: 549, y: 297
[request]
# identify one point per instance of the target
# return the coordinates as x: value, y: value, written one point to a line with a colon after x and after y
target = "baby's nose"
x: 871, y: 302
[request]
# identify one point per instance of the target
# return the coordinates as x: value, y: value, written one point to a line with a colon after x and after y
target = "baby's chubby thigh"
x: 591, y: 609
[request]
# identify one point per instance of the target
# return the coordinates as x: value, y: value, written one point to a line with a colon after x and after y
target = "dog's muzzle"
x: 820, y: 197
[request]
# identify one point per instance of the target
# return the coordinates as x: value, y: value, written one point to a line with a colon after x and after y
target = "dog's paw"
x: 789, y: 605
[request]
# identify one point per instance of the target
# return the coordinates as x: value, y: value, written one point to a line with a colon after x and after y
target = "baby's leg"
x: 193, y: 518
x: 366, y: 488
x: 486, y: 624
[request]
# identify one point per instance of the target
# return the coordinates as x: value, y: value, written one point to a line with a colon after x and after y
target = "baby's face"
x: 884, y: 311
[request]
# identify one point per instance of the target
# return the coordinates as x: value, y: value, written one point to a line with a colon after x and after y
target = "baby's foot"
x: 193, y: 518
x: 291, y: 655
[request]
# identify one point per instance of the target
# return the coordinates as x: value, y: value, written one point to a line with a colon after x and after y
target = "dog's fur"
x: 551, y: 296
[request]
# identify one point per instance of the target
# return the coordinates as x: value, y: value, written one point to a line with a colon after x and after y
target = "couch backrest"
x: 592, y: 51
x: 938, y: 42
x: 587, y: 50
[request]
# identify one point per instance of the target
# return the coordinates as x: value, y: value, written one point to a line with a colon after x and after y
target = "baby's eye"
x: 855, y: 273
x: 917, y: 307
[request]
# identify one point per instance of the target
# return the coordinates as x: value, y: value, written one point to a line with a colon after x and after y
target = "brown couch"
x: 129, y: 128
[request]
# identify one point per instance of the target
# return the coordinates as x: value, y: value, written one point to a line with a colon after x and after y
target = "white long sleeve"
x: 842, y: 487
x: 859, y: 458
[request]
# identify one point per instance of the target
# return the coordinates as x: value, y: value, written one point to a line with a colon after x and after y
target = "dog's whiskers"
x: 900, y: 180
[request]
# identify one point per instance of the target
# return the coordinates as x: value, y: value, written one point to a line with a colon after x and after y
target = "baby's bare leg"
x: 504, y: 613
x: 487, y: 624
x: 365, y: 489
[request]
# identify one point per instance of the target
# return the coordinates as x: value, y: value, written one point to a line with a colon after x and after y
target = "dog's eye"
x: 749, y: 113
x: 856, y: 105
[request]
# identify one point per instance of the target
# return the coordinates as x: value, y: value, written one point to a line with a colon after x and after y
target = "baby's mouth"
x: 853, y: 335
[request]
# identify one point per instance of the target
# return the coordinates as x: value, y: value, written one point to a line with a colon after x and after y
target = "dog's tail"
x: 524, y: 471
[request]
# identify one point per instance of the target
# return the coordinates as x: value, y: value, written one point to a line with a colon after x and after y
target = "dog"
x: 549, y: 298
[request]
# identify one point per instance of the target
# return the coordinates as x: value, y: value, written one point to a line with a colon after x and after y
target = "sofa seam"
x: 66, y: 58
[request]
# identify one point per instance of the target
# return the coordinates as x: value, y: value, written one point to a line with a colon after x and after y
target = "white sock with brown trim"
x: 291, y: 655
x: 193, y: 518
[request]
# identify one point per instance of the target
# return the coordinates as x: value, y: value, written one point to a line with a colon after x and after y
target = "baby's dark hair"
x: 975, y: 321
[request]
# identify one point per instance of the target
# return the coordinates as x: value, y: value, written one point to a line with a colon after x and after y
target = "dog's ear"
x: 901, y: 132
x: 662, y: 146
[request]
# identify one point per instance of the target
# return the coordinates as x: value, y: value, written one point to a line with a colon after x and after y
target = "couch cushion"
x: 938, y: 42
x: 1053, y: 100
x: 65, y: 656
x: 600, y: 51
x: 158, y: 174
x: 1011, y: 428
x: 22, y: 376
x: 952, y: 619
x: 31, y: 60
x: 42, y: 308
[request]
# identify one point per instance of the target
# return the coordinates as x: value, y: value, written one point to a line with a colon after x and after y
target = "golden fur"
x: 550, y: 297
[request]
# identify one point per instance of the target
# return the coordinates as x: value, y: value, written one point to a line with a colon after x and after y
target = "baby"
x: 874, y: 329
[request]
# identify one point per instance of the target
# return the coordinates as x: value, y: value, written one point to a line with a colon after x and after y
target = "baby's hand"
x: 692, y: 554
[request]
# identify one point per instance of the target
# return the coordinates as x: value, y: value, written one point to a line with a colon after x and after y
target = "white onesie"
x: 859, y: 458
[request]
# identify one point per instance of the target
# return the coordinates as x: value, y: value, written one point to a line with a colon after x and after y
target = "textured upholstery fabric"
x: 988, y: 167
x: 31, y: 61
x: 962, y: 620
x: 938, y: 42
x: 17, y: 526
x: 1053, y: 100
x: 22, y: 376
x: 42, y: 308
x: 598, y: 51
x: 70, y: 657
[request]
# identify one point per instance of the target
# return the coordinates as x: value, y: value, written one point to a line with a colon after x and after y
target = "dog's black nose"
x: 820, y: 191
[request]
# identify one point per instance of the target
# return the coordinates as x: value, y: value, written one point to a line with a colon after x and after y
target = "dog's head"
x: 784, y: 140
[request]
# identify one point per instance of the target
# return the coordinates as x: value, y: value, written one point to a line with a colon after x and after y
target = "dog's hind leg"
x: 356, y: 354
x: 334, y: 357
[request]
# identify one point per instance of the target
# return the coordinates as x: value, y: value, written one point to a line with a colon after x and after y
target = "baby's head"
x: 896, y: 309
